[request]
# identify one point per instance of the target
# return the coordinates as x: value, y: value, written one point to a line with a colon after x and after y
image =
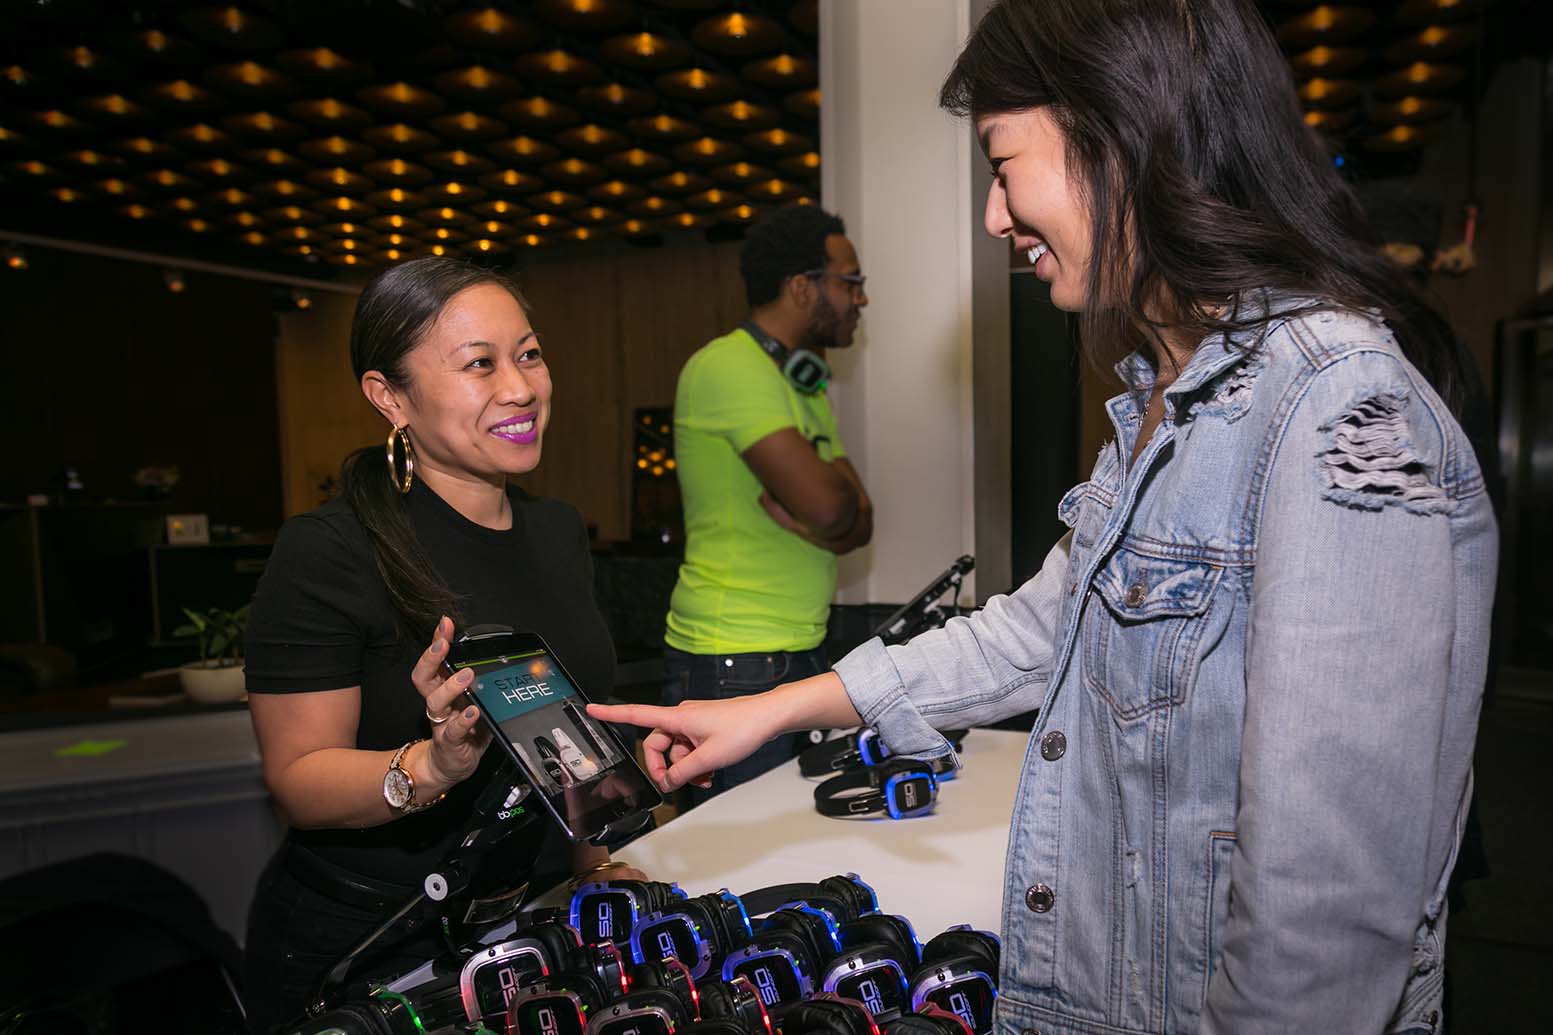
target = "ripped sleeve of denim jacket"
x: 1370, y: 461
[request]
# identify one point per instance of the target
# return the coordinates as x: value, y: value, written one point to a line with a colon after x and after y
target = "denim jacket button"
x: 1054, y: 745
x: 1136, y: 594
x: 1039, y: 898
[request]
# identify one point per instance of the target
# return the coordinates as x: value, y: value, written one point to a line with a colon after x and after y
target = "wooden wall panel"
x: 108, y: 371
x: 618, y: 328
x: 575, y: 309
x: 323, y: 415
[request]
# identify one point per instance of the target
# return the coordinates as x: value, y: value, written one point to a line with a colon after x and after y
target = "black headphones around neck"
x: 804, y: 370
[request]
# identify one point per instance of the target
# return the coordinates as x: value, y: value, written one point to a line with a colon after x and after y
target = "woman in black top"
x: 355, y: 612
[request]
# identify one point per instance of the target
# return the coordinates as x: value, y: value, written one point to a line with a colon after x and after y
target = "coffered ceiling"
x: 356, y: 133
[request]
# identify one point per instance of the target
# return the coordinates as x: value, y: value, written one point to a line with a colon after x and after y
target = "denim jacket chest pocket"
x: 1143, y: 640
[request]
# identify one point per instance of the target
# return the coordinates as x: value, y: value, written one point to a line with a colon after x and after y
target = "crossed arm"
x: 822, y: 503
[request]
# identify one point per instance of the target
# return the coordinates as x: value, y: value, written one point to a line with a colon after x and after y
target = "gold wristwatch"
x: 399, y: 785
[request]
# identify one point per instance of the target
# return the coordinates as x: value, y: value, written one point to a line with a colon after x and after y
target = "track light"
x: 301, y: 298
x: 15, y: 257
x: 174, y: 280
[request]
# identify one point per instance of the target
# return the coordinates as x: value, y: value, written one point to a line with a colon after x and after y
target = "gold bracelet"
x: 579, y: 879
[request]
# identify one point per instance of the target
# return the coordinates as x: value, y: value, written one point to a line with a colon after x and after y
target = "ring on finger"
x: 434, y: 720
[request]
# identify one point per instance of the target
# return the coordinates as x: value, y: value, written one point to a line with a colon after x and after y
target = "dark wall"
x: 1044, y: 421
x: 107, y: 370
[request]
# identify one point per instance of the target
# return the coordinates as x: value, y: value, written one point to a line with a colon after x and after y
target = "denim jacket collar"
x: 1214, y: 355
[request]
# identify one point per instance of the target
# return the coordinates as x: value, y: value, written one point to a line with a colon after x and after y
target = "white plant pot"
x: 213, y: 682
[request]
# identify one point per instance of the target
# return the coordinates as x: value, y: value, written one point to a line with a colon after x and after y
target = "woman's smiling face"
x: 479, y: 393
x: 1033, y: 201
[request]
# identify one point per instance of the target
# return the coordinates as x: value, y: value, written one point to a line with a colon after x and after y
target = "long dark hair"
x: 1204, y: 183
x: 393, y: 314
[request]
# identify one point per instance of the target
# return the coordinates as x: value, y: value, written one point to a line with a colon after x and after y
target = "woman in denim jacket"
x: 1258, y: 655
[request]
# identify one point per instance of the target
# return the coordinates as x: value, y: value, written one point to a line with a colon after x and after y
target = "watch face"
x: 621, y: 1021
x: 969, y: 997
x: 397, y: 788
x: 879, y: 985
x: 774, y: 974
x: 604, y: 915
x: 674, y: 936
x: 909, y: 794
x: 550, y: 1013
x: 489, y: 984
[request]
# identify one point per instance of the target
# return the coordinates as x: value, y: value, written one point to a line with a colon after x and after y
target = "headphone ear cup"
x: 847, y: 890
x: 829, y: 1016
x: 704, y: 916
x: 798, y: 927
x: 812, y: 1017
x: 795, y: 939
x: 977, y: 945
x: 648, y: 975
x: 656, y: 896
x: 560, y: 941
x: 663, y: 999
x: 924, y: 1024
x: 586, y: 985
x: 717, y: 1026
x: 714, y: 999
x: 888, y: 930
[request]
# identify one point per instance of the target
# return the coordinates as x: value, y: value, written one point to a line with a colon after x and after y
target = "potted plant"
x: 218, y: 675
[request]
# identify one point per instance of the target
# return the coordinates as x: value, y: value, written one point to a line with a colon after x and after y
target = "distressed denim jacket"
x: 1258, y: 657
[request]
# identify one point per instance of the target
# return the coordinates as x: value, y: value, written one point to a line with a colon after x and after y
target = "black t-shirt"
x: 322, y: 620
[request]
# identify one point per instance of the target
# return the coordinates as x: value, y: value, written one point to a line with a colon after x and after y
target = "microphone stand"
x: 923, y: 612
x: 917, y: 615
x: 498, y: 811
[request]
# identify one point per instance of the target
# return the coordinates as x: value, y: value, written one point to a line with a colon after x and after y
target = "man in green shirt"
x: 770, y: 497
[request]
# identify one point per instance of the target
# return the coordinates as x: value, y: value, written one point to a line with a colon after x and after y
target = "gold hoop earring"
x: 399, y: 440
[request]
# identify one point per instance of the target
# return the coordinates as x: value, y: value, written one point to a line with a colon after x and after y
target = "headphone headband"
x: 804, y: 370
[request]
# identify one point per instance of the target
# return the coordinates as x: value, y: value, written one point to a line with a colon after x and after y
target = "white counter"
x: 183, y: 791
x: 938, y: 870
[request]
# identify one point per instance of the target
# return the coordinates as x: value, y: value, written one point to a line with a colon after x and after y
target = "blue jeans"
x: 710, y: 677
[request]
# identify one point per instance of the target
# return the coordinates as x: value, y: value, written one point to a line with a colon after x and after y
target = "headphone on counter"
x: 804, y: 370
x: 826, y: 1013
x: 879, y: 954
x: 609, y: 910
x: 898, y: 788
x: 865, y: 747
x: 557, y: 1005
x: 785, y: 958
x: 959, y: 975
x: 930, y: 1020
x: 698, y: 931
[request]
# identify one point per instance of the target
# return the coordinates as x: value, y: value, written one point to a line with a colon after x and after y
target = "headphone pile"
x: 820, y: 958
x: 641, y: 958
x: 862, y: 778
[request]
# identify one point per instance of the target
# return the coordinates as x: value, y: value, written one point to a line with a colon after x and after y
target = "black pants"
x: 708, y: 677
x: 297, y: 932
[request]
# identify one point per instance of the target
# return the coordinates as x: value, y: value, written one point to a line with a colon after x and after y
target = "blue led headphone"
x: 702, y: 932
x: 804, y: 370
x: 865, y: 747
x: 899, y: 788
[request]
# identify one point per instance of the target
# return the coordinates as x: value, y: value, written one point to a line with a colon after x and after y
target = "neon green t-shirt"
x: 747, y: 584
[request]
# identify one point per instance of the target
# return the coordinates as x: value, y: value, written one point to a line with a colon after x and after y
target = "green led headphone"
x: 804, y: 370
